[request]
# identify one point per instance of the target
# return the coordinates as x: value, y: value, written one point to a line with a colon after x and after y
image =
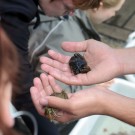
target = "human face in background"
x: 57, y: 7
x: 5, y: 100
x: 102, y: 14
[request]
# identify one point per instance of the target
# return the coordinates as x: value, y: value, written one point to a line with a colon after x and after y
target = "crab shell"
x: 78, y: 64
x: 50, y: 112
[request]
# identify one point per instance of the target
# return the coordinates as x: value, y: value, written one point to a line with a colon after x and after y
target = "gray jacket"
x: 52, y: 31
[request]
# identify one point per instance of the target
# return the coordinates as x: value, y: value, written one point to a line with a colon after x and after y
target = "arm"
x: 108, y: 103
x: 95, y: 100
x: 120, y: 107
x: 105, y: 62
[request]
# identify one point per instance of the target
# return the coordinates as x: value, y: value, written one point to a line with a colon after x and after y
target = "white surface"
x: 131, y: 43
x: 105, y: 125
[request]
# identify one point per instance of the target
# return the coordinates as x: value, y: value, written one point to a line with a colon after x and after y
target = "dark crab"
x: 78, y: 64
x: 50, y: 112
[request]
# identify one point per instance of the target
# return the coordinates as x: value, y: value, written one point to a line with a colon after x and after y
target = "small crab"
x: 50, y: 112
x: 78, y: 64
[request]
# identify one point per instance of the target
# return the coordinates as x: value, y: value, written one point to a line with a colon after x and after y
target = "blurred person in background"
x: 8, y: 83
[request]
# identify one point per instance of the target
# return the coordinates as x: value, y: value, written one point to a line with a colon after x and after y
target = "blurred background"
x: 116, y: 30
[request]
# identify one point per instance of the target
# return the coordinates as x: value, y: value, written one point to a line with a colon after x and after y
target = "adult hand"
x: 71, y: 108
x: 92, y: 101
x: 101, y: 58
x: 43, y: 87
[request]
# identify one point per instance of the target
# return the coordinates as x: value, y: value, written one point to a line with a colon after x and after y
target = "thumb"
x: 75, y: 46
x: 58, y: 103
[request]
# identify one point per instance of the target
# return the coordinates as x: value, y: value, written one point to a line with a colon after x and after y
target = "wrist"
x: 125, y: 60
x: 100, y: 101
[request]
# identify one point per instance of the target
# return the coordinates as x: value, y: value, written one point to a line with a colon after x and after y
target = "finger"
x: 35, y: 98
x: 55, y: 64
x: 67, y: 77
x: 64, y: 77
x: 46, y: 85
x: 75, y: 46
x: 59, y: 57
x: 61, y: 115
x: 52, y: 70
x: 59, y: 75
x: 55, y: 86
x: 38, y: 84
x: 59, y: 103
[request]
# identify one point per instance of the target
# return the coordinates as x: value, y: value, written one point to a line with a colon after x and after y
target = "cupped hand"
x: 78, y: 105
x: 43, y: 87
x: 100, y: 58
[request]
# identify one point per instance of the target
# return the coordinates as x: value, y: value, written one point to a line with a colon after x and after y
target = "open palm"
x: 100, y: 58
